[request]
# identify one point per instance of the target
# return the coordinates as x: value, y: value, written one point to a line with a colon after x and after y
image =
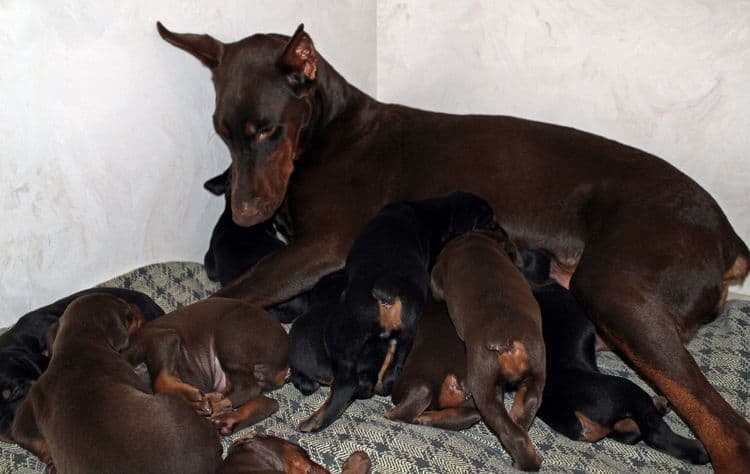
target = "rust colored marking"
x: 250, y: 129
x: 517, y: 409
x: 390, y: 315
x: 452, y: 393
x: 626, y: 425
x: 6, y: 393
x: 135, y: 319
x: 386, y: 363
x: 514, y: 363
x: 737, y: 272
x: 591, y: 431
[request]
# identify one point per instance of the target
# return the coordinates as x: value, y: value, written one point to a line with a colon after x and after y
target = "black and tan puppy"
x: 90, y: 398
x: 581, y: 402
x: 387, y: 273
x: 309, y: 362
x: 269, y: 454
x: 220, y: 356
x: 495, y: 314
x: 24, y: 351
x: 431, y: 387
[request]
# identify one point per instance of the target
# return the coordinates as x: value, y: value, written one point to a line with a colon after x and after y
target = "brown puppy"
x: 497, y: 317
x: 219, y: 355
x: 430, y: 390
x: 90, y: 398
x: 269, y: 454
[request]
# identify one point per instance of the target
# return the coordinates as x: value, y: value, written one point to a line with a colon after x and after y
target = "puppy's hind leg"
x: 413, y: 404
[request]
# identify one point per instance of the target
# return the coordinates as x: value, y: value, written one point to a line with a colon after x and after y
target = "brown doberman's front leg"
x: 290, y: 271
x: 635, y: 319
x: 458, y: 418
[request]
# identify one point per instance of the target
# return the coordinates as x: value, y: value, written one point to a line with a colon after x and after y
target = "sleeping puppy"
x: 269, y: 454
x: 431, y: 387
x: 90, y: 398
x: 387, y: 273
x: 24, y: 351
x: 233, y: 249
x: 581, y: 402
x: 220, y: 356
x: 495, y: 314
x: 309, y: 362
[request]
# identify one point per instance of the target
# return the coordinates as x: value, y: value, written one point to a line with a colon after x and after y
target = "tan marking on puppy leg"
x: 452, y: 394
x: 626, y: 425
x: 514, y: 363
x: 384, y: 368
x: 737, y: 272
x: 390, y: 315
x: 592, y: 431
x: 519, y: 403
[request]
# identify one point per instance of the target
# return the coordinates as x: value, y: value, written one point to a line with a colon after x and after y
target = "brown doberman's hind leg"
x: 630, y: 306
x: 26, y: 433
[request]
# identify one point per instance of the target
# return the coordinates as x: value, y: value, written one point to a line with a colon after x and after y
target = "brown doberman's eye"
x: 265, y: 133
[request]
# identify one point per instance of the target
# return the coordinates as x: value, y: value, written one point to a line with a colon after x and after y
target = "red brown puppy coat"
x: 213, y: 349
x: 497, y: 317
x: 269, y: 454
x: 430, y: 390
x: 296, y: 129
x: 90, y: 412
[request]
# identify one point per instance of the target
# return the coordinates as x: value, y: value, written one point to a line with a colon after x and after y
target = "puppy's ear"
x: 208, y: 50
x: 300, y: 60
x: 218, y: 184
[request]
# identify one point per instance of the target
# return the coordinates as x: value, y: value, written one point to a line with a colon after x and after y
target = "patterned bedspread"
x: 721, y: 348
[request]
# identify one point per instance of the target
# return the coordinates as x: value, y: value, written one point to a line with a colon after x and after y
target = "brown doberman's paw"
x: 225, y: 422
x: 358, y: 463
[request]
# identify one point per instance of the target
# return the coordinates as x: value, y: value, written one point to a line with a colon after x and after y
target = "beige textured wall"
x: 106, y: 136
x: 671, y: 77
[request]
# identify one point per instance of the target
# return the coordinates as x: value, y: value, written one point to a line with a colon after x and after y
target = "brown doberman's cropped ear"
x: 300, y: 58
x: 218, y: 184
x: 207, y: 49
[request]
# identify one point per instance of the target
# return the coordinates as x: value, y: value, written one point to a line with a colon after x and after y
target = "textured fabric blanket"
x: 721, y: 348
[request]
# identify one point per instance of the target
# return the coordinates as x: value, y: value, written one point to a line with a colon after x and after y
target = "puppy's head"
x: 469, y: 212
x: 101, y: 316
x: 257, y: 452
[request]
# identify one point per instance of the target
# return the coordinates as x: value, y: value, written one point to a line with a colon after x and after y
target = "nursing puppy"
x: 269, y: 454
x: 495, y: 314
x: 387, y: 273
x: 431, y: 387
x: 220, y: 356
x: 309, y: 362
x: 24, y: 351
x: 90, y: 398
x: 581, y: 402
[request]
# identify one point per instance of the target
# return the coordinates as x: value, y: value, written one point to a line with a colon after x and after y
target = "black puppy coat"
x: 581, y: 402
x: 23, y: 348
x: 387, y: 273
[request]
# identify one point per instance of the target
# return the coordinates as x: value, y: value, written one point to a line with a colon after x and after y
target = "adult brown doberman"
x: 650, y: 252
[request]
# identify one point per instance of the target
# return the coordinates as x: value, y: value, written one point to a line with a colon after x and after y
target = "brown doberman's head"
x: 264, y: 453
x: 264, y: 87
x: 101, y: 316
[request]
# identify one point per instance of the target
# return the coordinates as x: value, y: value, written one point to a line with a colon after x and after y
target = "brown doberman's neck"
x: 336, y: 100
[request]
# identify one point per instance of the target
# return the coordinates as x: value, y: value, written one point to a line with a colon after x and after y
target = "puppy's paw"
x: 219, y: 403
x: 358, y: 463
x: 310, y: 424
